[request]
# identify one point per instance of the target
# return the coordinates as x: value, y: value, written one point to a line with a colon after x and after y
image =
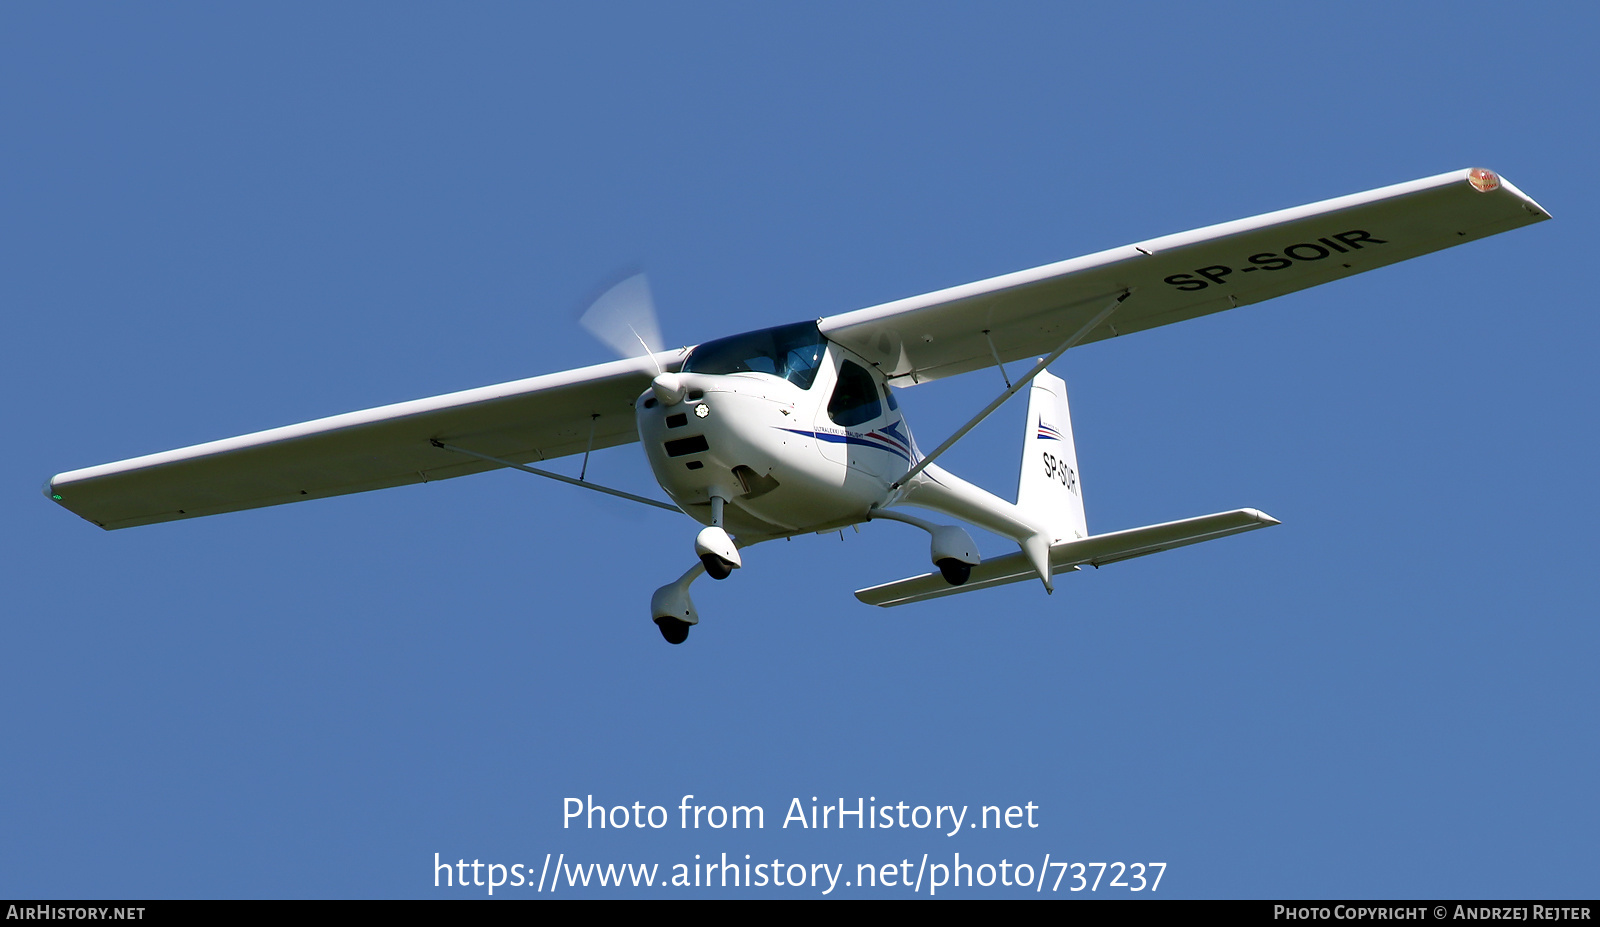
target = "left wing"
x: 1178, y: 277
x: 520, y: 421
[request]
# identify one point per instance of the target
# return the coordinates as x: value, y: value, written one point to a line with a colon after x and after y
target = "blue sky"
x: 223, y: 219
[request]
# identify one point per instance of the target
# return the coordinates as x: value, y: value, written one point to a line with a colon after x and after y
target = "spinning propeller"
x: 624, y: 318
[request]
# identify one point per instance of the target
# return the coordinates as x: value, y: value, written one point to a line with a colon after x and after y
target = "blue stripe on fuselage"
x: 861, y: 440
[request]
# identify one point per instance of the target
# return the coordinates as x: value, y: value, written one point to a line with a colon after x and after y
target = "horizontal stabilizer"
x: 1067, y: 556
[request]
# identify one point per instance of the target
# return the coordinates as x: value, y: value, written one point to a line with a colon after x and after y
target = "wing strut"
x: 556, y: 476
x: 996, y: 354
x: 1077, y: 336
x: 583, y: 471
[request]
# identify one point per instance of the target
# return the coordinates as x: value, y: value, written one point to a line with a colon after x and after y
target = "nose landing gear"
x: 717, y: 552
x: 716, y: 567
x: 671, y: 608
x: 715, y: 548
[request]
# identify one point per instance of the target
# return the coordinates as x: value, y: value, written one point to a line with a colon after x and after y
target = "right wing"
x: 1032, y: 312
x: 521, y: 421
x: 1067, y: 556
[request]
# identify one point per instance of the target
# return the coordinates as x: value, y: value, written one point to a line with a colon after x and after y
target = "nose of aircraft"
x: 668, y: 388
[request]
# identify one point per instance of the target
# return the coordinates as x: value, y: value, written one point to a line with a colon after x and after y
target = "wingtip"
x: 1485, y: 180
x: 866, y: 597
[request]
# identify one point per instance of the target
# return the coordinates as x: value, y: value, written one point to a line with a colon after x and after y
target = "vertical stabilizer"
x: 1049, y: 489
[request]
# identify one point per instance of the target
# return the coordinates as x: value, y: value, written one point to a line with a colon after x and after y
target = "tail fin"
x: 1049, y: 488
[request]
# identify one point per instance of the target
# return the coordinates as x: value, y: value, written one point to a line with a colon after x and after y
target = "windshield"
x: 792, y: 352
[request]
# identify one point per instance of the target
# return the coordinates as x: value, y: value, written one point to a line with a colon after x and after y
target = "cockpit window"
x: 792, y: 352
x: 855, y: 398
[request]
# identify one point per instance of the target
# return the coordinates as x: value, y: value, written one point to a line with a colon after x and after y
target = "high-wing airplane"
x: 796, y: 429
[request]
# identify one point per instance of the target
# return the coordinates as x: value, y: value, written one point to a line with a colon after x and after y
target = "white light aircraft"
x: 796, y: 429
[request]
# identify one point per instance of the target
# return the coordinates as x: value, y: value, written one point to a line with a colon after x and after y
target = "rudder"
x: 1049, y: 487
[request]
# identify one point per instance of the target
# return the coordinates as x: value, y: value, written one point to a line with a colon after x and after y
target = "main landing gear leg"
x: 673, y: 610
x: 670, y: 607
x: 951, y: 550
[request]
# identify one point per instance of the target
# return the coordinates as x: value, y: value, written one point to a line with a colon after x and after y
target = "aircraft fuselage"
x: 794, y: 449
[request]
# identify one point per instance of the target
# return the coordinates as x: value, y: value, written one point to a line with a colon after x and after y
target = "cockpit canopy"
x: 793, y: 352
